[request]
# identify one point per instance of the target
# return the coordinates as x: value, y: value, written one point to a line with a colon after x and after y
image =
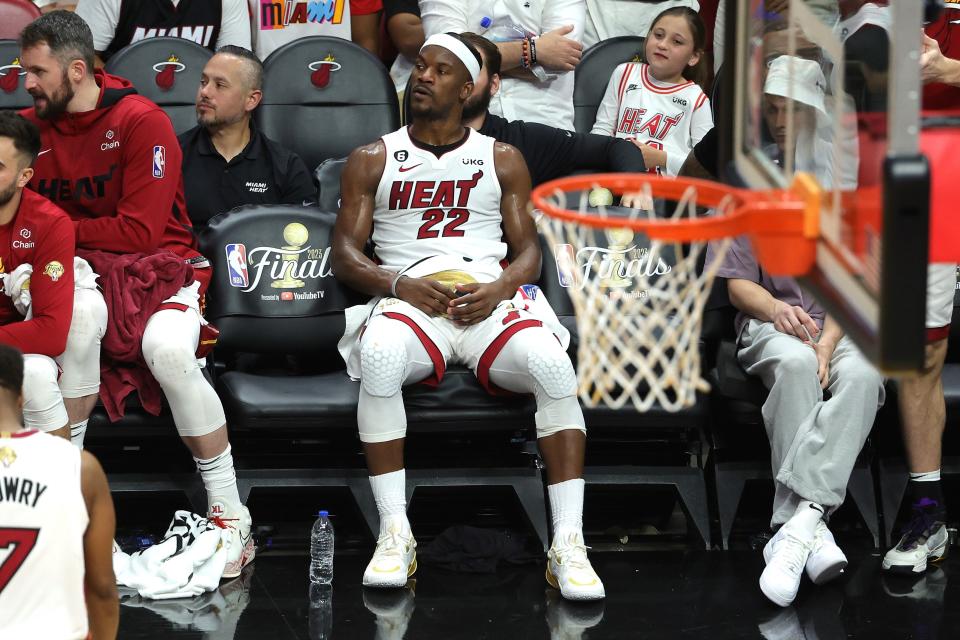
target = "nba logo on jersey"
x: 159, y: 161
x: 237, y: 265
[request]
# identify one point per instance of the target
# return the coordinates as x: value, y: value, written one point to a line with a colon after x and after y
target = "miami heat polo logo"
x: 279, y: 14
x: 292, y: 265
x: 10, y: 76
x: 167, y: 71
x: 320, y: 70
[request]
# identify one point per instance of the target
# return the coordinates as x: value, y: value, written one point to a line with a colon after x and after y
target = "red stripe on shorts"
x: 491, y: 353
x: 439, y: 365
x: 936, y: 334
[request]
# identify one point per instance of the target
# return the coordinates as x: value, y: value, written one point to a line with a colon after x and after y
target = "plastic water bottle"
x: 504, y: 30
x: 321, y: 550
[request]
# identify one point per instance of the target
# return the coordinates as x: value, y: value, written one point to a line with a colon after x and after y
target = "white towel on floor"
x: 187, y: 562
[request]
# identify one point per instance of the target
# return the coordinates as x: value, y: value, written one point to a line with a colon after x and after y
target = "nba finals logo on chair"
x: 290, y: 267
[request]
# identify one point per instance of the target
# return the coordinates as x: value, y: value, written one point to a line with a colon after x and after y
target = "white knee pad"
x: 552, y: 370
x: 555, y: 390
x: 81, y: 359
x: 42, y: 403
x: 169, y: 349
x: 383, y: 365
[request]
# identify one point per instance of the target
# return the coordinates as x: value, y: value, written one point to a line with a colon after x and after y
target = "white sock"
x: 390, y: 492
x: 926, y: 476
x: 566, y: 506
x: 807, y: 515
x: 77, y: 432
x: 220, y: 481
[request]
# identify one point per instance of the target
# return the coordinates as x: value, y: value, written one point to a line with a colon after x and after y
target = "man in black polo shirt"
x: 226, y: 161
x: 549, y: 152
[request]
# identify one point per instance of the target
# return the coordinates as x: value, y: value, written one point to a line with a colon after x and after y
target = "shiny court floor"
x: 668, y: 594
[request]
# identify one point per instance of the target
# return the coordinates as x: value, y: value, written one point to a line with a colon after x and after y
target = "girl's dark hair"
x: 698, y: 72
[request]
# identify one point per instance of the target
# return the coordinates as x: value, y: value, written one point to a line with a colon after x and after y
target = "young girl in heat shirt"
x: 658, y: 105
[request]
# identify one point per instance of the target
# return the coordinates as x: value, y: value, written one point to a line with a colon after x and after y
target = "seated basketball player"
x: 55, y: 506
x: 445, y: 206
x: 126, y: 202
x: 36, y: 276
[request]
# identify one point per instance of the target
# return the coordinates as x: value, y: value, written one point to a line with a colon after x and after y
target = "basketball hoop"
x: 639, y: 308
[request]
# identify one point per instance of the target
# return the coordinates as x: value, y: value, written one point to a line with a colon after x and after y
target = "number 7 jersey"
x: 43, y: 518
x: 444, y: 203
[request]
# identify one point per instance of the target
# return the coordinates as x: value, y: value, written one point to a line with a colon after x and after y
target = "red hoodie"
x: 40, y: 235
x: 116, y: 171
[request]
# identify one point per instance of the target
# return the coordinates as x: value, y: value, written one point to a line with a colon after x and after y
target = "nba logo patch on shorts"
x: 159, y: 161
x: 237, y: 265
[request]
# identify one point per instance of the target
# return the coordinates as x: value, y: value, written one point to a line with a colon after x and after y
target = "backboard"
x: 832, y: 88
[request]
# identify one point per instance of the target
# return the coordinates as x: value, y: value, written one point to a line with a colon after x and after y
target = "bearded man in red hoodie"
x: 111, y: 160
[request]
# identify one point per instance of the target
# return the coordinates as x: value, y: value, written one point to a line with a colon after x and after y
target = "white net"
x: 638, y: 301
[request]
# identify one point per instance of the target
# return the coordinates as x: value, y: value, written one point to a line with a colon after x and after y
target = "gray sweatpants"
x: 813, y: 442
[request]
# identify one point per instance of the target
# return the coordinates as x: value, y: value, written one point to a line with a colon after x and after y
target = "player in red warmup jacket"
x: 34, y: 234
x: 111, y: 159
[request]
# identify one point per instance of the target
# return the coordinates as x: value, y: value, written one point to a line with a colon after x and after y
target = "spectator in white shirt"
x: 537, y: 85
x: 613, y: 18
x: 212, y: 23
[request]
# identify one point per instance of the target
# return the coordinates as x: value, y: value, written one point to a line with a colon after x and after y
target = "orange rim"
x: 783, y: 224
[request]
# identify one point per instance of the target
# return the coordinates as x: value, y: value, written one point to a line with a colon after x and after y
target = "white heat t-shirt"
x: 672, y: 117
x: 446, y: 208
x: 42, y: 521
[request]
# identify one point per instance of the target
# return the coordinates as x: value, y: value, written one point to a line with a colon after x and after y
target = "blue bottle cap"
x: 323, y: 514
x: 485, y: 22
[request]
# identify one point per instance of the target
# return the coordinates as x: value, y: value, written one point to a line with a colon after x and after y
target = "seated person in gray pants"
x: 787, y: 340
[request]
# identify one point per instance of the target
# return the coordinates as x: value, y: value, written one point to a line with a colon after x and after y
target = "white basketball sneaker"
x: 826, y: 560
x: 394, y: 560
x: 241, y: 551
x: 786, y: 555
x: 569, y: 570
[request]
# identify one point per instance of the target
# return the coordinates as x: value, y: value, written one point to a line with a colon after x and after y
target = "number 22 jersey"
x: 441, y: 211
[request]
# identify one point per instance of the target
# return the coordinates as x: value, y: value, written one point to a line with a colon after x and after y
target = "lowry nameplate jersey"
x: 671, y: 117
x: 43, y: 518
x: 444, y: 207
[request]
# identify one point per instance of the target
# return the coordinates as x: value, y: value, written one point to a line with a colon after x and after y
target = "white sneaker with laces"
x: 569, y: 570
x: 786, y: 555
x: 394, y: 560
x: 241, y: 551
x: 826, y: 560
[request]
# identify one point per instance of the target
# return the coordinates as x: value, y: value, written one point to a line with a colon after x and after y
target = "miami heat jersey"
x: 42, y: 521
x: 445, y: 207
x: 671, y: 117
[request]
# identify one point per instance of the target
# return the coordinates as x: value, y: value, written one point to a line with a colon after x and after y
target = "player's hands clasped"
x: 794, y: 321
x: 557, y: 52
x: 427, y: 295
x: 477, y: 302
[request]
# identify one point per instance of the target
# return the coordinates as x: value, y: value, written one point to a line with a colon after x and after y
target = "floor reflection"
x: 665, y: 595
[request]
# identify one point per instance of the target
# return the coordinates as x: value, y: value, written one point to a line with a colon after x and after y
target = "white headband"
x: 457, y: 48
